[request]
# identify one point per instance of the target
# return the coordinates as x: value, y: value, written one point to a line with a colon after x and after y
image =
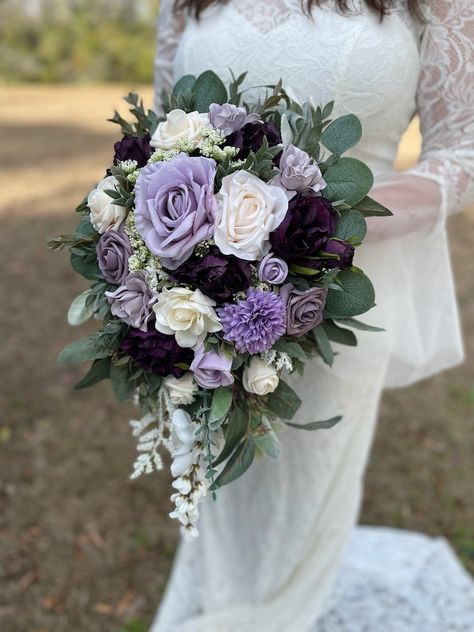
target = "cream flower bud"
x: 104, y: 213
x: 179, y: 126
x: 260, y: 378
x: 181, y: 389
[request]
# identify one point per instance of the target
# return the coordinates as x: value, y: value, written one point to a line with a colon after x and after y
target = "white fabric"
x: 271, y: 545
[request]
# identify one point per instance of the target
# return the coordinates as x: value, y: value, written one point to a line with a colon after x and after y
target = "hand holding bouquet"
x: 220, y: 249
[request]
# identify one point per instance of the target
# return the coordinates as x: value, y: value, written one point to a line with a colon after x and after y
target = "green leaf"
x: 349, y: 180
x: 184, y: 85
x: 357, y: 297
x: 342, y: 134
x: 238, y: 463
x: 283, y: 402
x: 370, y: 208
x: 221, y: 403
x: 294, y: 267
x: 80, y: 351
x: 324, y: 344
x: 293, y: 349
x: 80, y: 310
x: 85, y: 265
x: 351, y: 225
x: 356, y: 324
x: 208, y: 89
x: 100, y: 370
x: 235, y: 431
x: 338, y: 334
x: 317, y: 425
x: 266, y: 440
x: 123, y: 387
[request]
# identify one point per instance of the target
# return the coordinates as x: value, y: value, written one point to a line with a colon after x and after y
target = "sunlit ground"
x: 83, y: 548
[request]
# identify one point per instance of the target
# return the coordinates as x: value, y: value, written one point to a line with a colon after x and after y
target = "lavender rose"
x: 113, y: 252
x: 344, y: 252
x: 132, y: 302
x: 304, y: 308
x: 133, y: 148
x: 211, y: 369
x: 272, y: 269
x: 156, y: 352
x: 175, y: 206
x: 230, y: 118
x: 297, y: 172
x: 251, y: 136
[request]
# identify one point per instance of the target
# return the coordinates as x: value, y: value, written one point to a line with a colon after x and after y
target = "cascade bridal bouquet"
x: 219, y: 247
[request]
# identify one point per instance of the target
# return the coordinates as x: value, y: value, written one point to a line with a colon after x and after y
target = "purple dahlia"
x: 133, y: 148
x: 156, y: 352
x: 255, y: 323
x: 250, y: 138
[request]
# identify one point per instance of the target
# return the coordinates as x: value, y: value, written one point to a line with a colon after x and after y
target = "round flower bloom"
x: 175, y: 206
x: 133, y: 148
x: 255, y: 323
x: 132, y: 301
x: 177, y: 127
x: 251, y: 136
x: 304, y: 308
x: 230, y: 118
x: 156, y: 352
x: 187, y: 314
x: 272, y: 269
x: 113, y: 252
x: 342, y: 249
x: 249, y: 209
x: 211, y: 369
x: 298, y: 172
x: 104, y: 213
x: 216, y: 275
x: 181, y: 389
x: 260, y: 378
x: 305, y: 229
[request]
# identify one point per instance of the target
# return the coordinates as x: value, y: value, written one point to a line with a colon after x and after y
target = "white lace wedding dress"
x: 278, y: 551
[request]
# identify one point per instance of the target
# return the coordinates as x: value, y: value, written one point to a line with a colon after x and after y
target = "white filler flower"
x: 260, y: 378
x: 104, y: 213
x: 179, y: 127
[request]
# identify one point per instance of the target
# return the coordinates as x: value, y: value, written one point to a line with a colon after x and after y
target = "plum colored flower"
x: 157, y: 353
x: 113, y: 252
x: 255, y: 323
x: 305, y: 229
x: 175, y: 206
x: 342, y: 249
x: 132, y: 302
x: 133, y: 148
x: 211, y: 369
x: 230, y: 118
x: 251, y: 136
x: 272, y: 269
x: 304, y: 308
x: 298, y: 172
x: 216, y: 275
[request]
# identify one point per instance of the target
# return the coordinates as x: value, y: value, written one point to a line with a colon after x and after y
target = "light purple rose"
x: 132, y: 301
x: 230, y: 118
x: 297, y: 172
x: 175, y: 207
x: 211, y: 369
x: 113, y: 251
x: 272, y: 269
x: 304, y: 308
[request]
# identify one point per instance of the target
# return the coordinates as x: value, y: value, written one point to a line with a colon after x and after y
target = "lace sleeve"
x: 169, y: 29
x: 443, y: 180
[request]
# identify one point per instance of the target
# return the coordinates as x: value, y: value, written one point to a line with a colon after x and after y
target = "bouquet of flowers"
x: 220, y: 250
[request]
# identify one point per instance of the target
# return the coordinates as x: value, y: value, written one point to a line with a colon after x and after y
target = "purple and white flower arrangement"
x: 220, y: 247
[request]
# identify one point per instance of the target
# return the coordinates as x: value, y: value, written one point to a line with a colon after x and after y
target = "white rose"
x: 249, y: 210
x: 186, y: 314
x: 181, y: 389
x: 104, y: 213
x: 259, y: 378
x: 179, y: 126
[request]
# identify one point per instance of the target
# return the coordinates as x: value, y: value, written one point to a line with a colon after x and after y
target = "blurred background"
x: 82, y: 548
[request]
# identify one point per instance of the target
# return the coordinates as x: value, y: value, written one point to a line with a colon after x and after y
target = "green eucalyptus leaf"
x: 80, y: 351
x: 85, y: 265
x: 100, y: 370
x: 351, y: 225
x: 221, y: 403
x: 208, y: 89
x: 357, y: 324
x: 235, y: 431
x: 317, y: 425
x: 324, y: 344
x: 338, y: 334
x: 342, y: 134
x: 123, y: 387
x: 283, y: 402
x: 238, y: 463
x: 348, y: 179
x: 266, y: 439
x: 80, y: 310
x: 370, y: 208
x: 184, y: 85
x: 357, y: 297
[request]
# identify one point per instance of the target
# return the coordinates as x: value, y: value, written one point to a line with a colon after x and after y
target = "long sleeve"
x: 169, y: 29
x: 443, y: 180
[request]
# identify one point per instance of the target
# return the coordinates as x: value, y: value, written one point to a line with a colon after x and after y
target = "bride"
x: 278, y: 551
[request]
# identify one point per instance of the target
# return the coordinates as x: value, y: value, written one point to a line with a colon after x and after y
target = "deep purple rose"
x: 113, y: 252
x: 251, y: 136
x: 342, y: 249
x: 272, y: 269
x: 304, y: 308
x: 133, y: 148
x: 306, y: 228
x: 211, y: 369
x: 132, y: 302
x: 156, y: 352
x: 175, y: 206
x: 216, y: 275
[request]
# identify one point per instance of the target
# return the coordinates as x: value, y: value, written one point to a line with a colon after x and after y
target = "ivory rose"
x: 189, y: 315
x: 249, y: 210
x: 181, y: 389
x: 259, y: 378
x: 104, y: 213
x: 179, y: 126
